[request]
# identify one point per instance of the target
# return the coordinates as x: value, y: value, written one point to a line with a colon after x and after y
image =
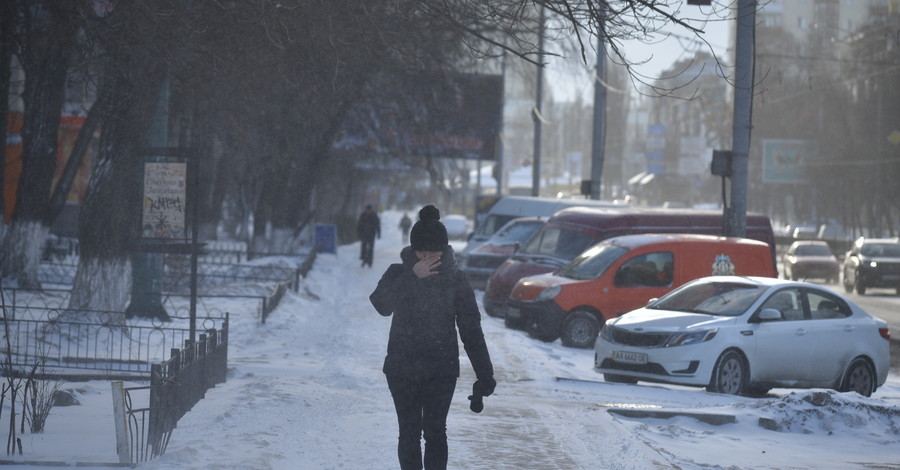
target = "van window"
x: 649, y: 270
x: 593, y: 263
x: 492, y: 223
x: 558, y: 243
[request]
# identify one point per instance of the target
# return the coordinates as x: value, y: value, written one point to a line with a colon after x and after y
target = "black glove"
x: 480, y: 389
x: 477, y: 404
x: 484, y: 387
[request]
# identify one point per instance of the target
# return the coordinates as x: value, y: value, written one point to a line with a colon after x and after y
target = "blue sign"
x: 326, y: 238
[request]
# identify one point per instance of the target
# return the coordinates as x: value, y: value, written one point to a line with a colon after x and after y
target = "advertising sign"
x: 165, y: 191
x: 783, y: 160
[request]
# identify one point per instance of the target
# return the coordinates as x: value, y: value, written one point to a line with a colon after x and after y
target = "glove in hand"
x: 484, y: 387
x: 480, y: 389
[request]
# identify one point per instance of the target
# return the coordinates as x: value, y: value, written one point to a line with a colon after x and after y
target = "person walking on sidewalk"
x: 429, y: 299
x: 405, y: 224
x: 367, y: 228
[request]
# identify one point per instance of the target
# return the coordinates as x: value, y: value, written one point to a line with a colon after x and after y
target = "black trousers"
x: 422, y: 406
x: 366, y: 247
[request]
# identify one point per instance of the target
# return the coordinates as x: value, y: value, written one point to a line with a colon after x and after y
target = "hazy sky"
x: 568, y: 77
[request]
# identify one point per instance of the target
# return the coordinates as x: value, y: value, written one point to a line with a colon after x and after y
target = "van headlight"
x: 549, y: 293
x: 692, y: 337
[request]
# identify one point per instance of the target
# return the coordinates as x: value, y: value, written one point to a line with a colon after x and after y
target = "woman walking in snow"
x: 429, y: 299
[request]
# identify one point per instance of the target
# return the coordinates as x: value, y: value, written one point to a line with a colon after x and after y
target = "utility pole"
x: 735, y: 222
x: 599, y: 116
x: 536, y: 113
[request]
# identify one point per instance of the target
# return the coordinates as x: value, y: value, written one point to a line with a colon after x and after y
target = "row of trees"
x: 259, y: 91
x: 832, y: 89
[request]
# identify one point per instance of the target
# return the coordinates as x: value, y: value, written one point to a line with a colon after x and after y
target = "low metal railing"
x: 108, y: 348
x: 176, y: 385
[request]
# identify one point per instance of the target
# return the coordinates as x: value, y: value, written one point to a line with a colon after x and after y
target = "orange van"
x: 623, y: 273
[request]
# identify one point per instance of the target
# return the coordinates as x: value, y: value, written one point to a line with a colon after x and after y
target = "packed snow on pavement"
x: 305, y: 391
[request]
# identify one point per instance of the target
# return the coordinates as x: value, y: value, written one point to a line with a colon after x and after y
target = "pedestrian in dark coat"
x: 367, y: 228
x: 429, y: 299
x: 405, y: 224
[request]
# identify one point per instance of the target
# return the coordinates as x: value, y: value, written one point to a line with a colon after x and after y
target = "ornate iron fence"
x: 105, y: 348
x: 176, y: 385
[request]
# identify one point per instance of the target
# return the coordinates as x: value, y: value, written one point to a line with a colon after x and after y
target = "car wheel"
x: 579, y: 330
x: 514, y: 323
x: 860, y: 378
x: 729, y: 375
x: 619, y: 379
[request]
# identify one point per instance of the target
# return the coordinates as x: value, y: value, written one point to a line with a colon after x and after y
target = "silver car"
x: 746, y: 335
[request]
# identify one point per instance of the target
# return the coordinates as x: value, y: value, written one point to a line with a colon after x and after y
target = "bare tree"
x: 45, y: 41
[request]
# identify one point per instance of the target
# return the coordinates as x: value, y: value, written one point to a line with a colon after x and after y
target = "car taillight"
x: 885, y: 333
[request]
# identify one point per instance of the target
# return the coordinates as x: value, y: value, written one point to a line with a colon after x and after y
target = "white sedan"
x: 746, y: 335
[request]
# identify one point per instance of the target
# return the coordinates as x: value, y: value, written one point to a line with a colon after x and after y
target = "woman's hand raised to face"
x: 428, y: 263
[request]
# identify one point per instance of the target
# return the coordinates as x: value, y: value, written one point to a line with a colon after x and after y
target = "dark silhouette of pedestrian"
x: 429, y: 298
x: 367, y: 228
x: 405, y: 224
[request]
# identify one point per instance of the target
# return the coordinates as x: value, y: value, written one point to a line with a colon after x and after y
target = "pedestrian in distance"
x: 429, y: 298
x: 367, y: 228
x: 405, y: 224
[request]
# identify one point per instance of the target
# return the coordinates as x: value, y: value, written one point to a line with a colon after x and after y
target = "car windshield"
x: 492, y: 223
x: 557, y: 242
x: 593, y: 262
x: 728, y: 299
x: 812, y: 250
x: 519, y: 232
x: 887, y: 250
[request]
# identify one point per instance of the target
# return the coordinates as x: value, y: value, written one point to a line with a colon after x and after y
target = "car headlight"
x: 873, y: 264
x: 692, y: 337
x: 606, y: 333
x: 549, y: 293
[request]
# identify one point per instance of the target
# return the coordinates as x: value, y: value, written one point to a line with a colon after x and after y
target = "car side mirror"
x: 654, y: 299
x: 769, y: 314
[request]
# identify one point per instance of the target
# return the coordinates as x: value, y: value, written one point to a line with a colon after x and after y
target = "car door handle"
x: 801, y: 332
x: 849, y: 328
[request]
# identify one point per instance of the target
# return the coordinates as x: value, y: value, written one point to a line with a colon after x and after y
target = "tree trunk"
x: 6, y: 48
x: 109, y: 223
x: 46, y: 64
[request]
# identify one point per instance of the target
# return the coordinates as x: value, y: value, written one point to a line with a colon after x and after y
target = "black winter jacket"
x: 427, y: 313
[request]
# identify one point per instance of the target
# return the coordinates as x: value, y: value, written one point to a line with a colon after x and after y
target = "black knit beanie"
x: 428, y: 234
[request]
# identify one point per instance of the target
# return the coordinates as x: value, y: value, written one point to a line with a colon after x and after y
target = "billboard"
x: 443, y: 116
x: 783, y: 160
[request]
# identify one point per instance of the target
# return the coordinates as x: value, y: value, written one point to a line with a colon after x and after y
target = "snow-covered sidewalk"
x: 306, y: 391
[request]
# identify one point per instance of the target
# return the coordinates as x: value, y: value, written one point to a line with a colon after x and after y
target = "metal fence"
x: 106, y: 348
x: 176, y: 385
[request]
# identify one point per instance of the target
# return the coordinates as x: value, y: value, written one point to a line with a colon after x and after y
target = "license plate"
x: 512, y: 312
x: 630, y: 357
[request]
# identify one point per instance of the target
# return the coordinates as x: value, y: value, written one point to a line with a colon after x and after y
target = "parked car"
x: 810, y: 259
x: 621, y: 274
x: 493, y: 212
x: 481, y: 263
x: 872, y: 262
x: 457, y: 226
x: 746, y: 335
x: 569, y: 232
